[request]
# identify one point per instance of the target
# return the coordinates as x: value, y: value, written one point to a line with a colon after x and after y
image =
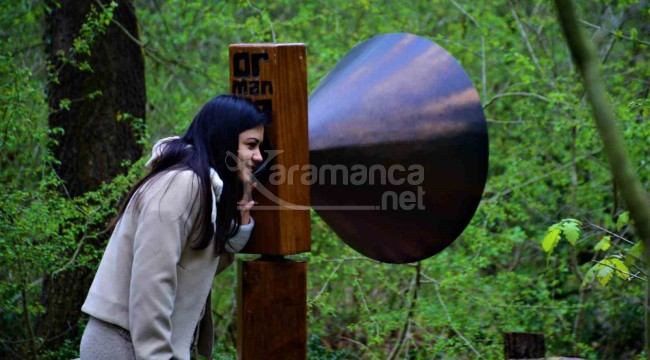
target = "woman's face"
x: 248, y: 152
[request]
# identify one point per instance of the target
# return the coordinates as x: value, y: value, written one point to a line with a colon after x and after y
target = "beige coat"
x: 151, y: 282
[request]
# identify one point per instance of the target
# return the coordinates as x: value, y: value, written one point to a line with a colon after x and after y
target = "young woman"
x: 176, y: 229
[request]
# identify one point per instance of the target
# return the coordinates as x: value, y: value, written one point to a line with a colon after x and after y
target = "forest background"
x: 550, y: 249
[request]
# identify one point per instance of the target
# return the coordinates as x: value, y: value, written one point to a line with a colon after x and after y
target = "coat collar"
x: 215, y: 179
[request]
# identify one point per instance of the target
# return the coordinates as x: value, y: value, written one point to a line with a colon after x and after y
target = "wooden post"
x: 274, y: 77
x: 518, y: 345
x: 272, y: 310
x: 272, y: 291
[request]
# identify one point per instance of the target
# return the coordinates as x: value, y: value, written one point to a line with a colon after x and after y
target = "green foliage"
x: 44, y: 232
x: 569, y: 227
x: 95, y: 25
x: 546, y: 163
x: 605, y: 270
x: 93, y: 28
x: 622, y: 220
x: 604, y: 244
x: 551, y: 239
x: 635, y: 253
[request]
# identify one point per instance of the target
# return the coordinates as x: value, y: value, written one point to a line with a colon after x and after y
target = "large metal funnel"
x: 401, y: 110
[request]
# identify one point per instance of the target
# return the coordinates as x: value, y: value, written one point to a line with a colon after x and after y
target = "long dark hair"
x: 211, y: 139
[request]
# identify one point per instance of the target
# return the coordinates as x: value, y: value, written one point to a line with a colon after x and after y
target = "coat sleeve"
x: 236, y: 243
x: 167, y: 212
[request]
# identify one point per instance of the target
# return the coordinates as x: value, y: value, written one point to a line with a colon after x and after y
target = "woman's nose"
x: 257, y: 156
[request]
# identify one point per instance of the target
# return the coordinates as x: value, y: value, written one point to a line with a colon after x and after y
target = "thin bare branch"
x: 483, y: 62
x: 329, y: 278
x: 520, y: 94
x: 619, y: 270
x: 609, y: 232
x: 612, y: 32
x: 366, y: 307
x: 152, y: 53
x: 415, y: 287
x: 451, y: 322
x: 541, y: 177
x: 261, y: 12
x: 524, y: 36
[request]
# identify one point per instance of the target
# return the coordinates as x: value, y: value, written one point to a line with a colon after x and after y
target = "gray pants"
x: 104, y: 341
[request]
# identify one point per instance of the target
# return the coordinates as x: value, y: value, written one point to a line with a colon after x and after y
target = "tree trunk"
x: 94, y: 142
x: 633, y: 193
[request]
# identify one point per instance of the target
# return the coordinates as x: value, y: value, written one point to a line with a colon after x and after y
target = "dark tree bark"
x: 94, y: 143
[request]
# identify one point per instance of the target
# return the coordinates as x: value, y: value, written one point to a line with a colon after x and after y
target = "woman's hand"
x: 246, y: 203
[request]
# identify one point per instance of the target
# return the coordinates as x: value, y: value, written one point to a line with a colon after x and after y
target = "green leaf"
x: 64, y: 104
x: 604, y: 244
x: 551, y: 239
x: 635, y: 253
x: 571, y: 230
x: 604, y: 273
x: 622, y: 220
x: 622, y: 270
x: 609, y: 267
x: 590, y: 275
